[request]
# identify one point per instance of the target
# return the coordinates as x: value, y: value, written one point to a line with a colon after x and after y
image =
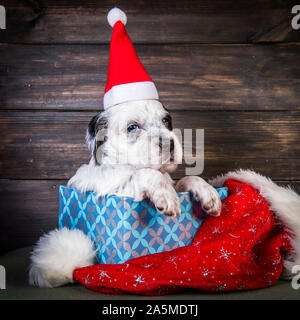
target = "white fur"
x: 114, y: 15
x: 57, y: 255
x: 284, y: 202
x: 203, y: 192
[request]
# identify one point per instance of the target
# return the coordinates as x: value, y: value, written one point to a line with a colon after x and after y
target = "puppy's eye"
x: 132, y: 127
x: 167, y: 122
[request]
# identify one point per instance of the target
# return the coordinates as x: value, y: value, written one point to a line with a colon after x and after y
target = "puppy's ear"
x: 95, y: 134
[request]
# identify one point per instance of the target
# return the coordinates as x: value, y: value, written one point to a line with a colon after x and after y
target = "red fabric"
x: 124, y: 64
x: 239, y: 250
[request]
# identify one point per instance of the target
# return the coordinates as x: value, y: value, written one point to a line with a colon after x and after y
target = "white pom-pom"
x: 114, y: 15
x: 57, y: 254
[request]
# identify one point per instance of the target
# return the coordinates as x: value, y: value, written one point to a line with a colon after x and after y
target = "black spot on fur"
x: 96, y: 124
x: 92, y: 128
x: 166, y: 109
x: 168, y: 122
x: 170, y: 125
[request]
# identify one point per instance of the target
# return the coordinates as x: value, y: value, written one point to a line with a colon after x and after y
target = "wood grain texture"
x: 188, y: 77
x: 153, y: 21
x: 30, y: 208
x: 50, y: 145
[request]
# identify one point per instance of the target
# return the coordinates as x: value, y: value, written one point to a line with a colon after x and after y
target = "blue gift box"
x: 122, y: 228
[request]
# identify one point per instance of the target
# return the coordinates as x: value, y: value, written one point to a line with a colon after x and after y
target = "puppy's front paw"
x: 209, y: 199
x: 167, y: 202
x: 202, y: 192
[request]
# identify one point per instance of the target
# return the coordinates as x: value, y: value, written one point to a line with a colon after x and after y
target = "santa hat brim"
x: 144, y: 90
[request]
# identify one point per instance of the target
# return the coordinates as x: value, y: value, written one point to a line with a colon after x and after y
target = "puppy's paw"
x: 167, y: 202
x: 209, y: 199
x: 202, y: 192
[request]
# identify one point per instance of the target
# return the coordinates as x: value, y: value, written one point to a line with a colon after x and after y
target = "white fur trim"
x: 114, y: 15
x: 134, y: 91
x: 284, y: 202
x: 57, y: 254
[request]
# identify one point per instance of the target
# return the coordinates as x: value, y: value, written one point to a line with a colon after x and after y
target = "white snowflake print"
x: 276, y: 262
x: 197, y: 243
x: 225, y: 254
x: 252, y: 229
x: 258, y: 201
x: 138, y: 280
x: 216, y: 230
x: 103, y: 275
x: 205, y: 272
x: 173, y: 260
x: 240, y: 192
x: 86, y: 280
x: 149, y: 265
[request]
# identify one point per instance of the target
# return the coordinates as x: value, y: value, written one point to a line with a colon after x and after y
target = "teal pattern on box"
x: 122, y: 228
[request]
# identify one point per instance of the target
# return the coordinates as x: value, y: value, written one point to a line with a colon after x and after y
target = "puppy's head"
x: 138, y: 134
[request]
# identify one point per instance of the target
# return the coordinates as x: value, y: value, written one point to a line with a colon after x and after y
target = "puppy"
x: 133, y: 150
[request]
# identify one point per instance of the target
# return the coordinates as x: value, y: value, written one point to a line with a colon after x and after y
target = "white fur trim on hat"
x: 114, y: 15
x: 144, y: 90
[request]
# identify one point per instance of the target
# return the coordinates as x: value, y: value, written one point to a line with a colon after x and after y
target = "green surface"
x: 17, y: 262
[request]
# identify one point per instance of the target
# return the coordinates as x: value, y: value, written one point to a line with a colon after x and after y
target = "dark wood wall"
x: 230, y: 67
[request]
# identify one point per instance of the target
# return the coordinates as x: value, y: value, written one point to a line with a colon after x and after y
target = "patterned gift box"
x: 122, y: 228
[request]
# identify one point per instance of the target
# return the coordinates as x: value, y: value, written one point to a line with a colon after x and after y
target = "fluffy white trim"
x: 284, y: 202
x: 144, y: 90
x: 114, y: 15
x: 57, y: 254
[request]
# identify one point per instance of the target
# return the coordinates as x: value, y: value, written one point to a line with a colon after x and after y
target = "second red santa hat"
x: 127, y: 79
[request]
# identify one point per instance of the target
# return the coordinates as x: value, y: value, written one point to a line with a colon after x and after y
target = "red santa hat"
x: 127, y: 79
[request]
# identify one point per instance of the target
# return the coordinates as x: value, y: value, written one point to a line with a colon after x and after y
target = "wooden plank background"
x: 229, y: 67
x: 153, y: 21
x: 188, y: 77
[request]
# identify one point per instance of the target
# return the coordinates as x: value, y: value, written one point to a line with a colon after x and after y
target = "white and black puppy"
x: 133, y: 151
